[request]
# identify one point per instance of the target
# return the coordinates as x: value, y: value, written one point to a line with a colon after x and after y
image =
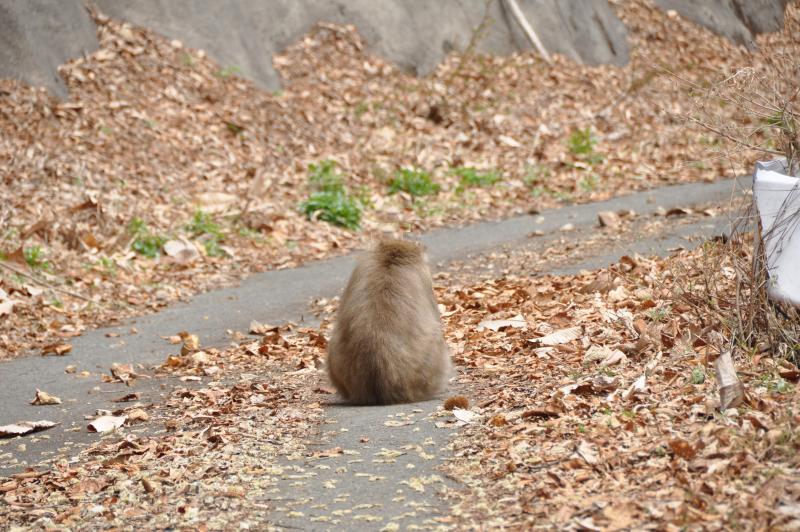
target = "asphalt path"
x: 284, y: 295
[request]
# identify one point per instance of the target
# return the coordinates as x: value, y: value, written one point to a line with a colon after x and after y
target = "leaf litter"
x: 556, y: 438
x: 100, y: 229
x: 611, y: 430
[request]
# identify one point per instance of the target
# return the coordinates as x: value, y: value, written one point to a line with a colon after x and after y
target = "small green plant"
x: 581, y: 144
x: 251, y: 234
x: 698, y: 375
x: 560, y: 195
x: 35, y: 257
x: 109, y: 266
x: 360, y: 109
x: 658, y: 314
x: 202, y: 225
x: 145, y: 242
x: 414, y: 182
x: 330, y: 200
x: 588, y: 183
x: 470, y: 177
x: 228, y: 71
x: 775, y: 384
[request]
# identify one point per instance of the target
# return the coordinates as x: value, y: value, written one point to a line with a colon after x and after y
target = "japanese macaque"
x: 387, y: 345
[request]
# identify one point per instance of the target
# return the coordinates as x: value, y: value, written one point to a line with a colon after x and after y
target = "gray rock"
x: 737, y: 20
x: 36, y: 36
x: 415, y: 34
x: 761, y: 16
x: 584, y: 30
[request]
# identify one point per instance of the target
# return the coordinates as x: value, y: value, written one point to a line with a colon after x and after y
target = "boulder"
x: 36, y: 36
x: 737, y: 20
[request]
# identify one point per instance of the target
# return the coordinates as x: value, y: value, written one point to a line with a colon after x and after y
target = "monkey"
x: 387, y: 344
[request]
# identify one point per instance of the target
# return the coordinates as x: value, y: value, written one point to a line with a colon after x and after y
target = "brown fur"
x: 387, y: 345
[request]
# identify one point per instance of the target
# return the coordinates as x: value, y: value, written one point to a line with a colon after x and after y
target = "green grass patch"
x: 228, y: 71
x: 414, y: 182
x: 581, y: 143
x: 330, y: 200
x: 589, y: 182
x: 470, y: 177
x: 35, y: 257
x: 145, y: 242
x: 203, y: 226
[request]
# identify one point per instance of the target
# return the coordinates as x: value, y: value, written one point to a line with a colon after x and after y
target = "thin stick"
x: 519, y: 16
x: 733, y: 139
x: 45, y: 284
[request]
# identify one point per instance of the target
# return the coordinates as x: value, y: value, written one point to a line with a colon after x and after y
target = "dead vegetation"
x: 766, y: 98
x: 592, y: 398
x: 157, y: 144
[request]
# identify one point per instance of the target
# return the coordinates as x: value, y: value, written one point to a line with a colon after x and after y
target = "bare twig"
x: 519, y: 16
x: 44, y: 283
x: 734, y: 139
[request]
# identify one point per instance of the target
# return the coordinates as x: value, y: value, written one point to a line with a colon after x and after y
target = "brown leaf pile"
x: 169, y: 463
x: 603, y: 412
x: 154, y: 131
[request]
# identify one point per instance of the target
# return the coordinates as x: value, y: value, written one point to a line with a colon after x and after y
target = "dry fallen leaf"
x: 561, y: 336
x: 126, y: 398
x: 183, y: 251
x: 56, y: 349
x: 173, y: 361
x: 137, y: 414
x: 24, y: 427
x: 682, y: 448
x: 731, y: 390
x: 517, y: 322
x: 44, y: 398
x: 608, y: 219
x: 466, y: 416
x: 191, y: 343
x: 589, y: 452
x: 260, y: 328
x: 106, y: 423
x: 6, y: 307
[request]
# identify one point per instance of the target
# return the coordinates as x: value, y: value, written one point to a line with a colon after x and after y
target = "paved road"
x: 279, y: 296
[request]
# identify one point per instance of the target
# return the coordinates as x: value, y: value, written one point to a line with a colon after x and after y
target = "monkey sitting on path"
x: 387, y: 345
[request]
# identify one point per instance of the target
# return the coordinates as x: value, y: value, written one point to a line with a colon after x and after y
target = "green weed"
x: 228, y: 71
x: 35, y: 257
x: 658, y: 314
x: 145, y: 242
x: 202, y: 225
x: 775, y: 384
x: 589, y: 183
x: 360, y: 109
x: 581, y: 144
x: 413, y: 182
x: 109, y: 266
x: 330, y: 197
x: 470, y: 177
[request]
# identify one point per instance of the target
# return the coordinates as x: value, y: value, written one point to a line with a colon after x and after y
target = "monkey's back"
x: 387, y: 345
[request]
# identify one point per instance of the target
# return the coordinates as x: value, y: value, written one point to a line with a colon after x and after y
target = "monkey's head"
x: 392, y: 252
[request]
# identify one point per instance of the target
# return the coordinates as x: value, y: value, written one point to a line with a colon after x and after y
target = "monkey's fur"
x: 387, y: 345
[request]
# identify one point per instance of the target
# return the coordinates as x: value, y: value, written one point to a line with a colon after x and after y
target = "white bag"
x: 777, y: 197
